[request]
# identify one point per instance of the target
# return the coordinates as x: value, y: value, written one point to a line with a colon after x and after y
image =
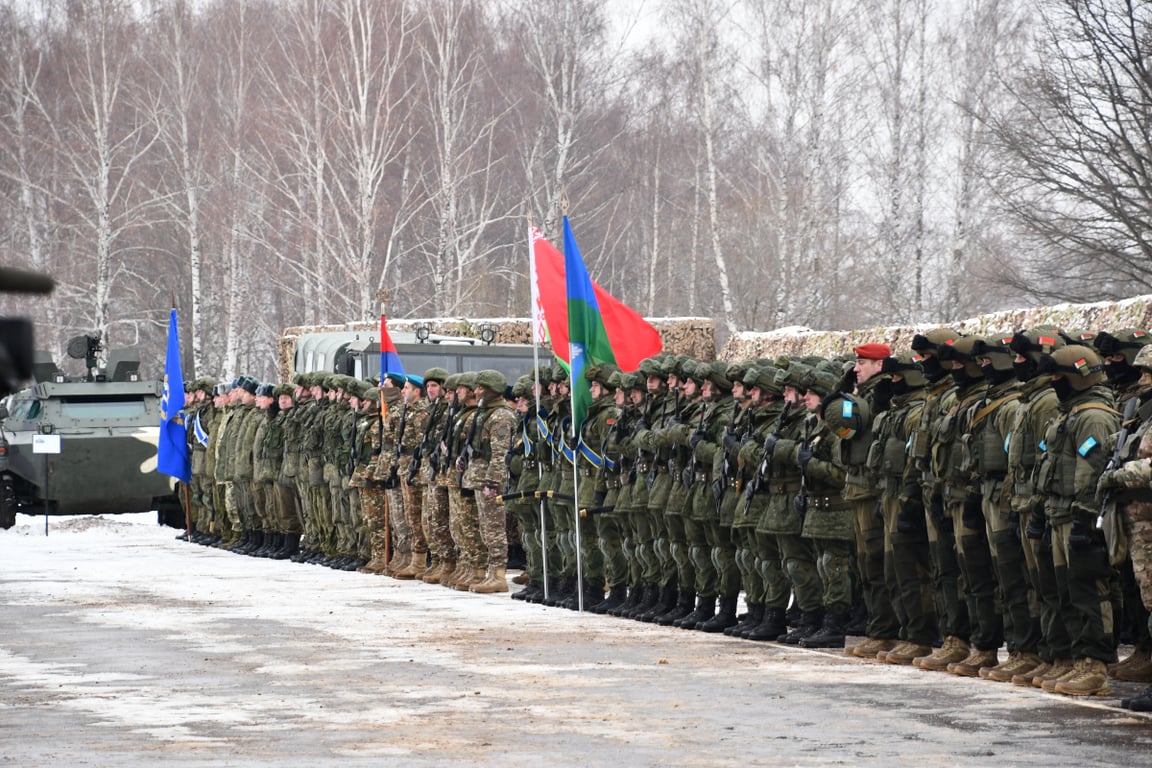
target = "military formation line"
x: 945, y: 502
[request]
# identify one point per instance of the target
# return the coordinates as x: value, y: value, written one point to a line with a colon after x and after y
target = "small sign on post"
x: 47, y: 445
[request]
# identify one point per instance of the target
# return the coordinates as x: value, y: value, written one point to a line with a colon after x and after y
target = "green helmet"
x: 1143, y: 358
x: 737, y: 370
x: 467, y: 379
x: 764, y: 377
x: 718, y: 375
x: 1037, y: 342
x: 452, y: 381
x: 820, y: 381
x: 907, y: 365
x: 1126, y: 342
x: 1079, y: 364
x: 650, y: 366
x: 846, y: 415
x: 492, y: 380
x: 963, y: 350
x: 998, y: 350
x: 931, y: 341
x: 602, y: 373
x: 523, y: 387
x: 438, y: 375
x: 283, y: 389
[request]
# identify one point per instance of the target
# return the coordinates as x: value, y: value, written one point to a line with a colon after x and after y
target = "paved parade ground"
x: 123, y: 647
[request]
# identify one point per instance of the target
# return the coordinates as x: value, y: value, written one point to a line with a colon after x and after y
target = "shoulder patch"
x: 1087, y: 446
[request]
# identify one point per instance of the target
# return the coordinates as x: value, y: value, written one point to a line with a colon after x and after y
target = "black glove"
x: 696, y: 438
x: 910, y: 518
x: 1036, y: 523
x: 642, y: 423
x: 803, y: 456
x: 770, y: 443
x: 730, y: 441
x: 936, y: 508
x: 973, y: 514
x: 598, y: 499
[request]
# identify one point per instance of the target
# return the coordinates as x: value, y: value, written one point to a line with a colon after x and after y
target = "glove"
x: 910, y: 518
x: 695, y: 439
x: 491, y: 490
x: 770, y: 443
x: 973, y: 514
x: 730, y: 441
x: 598, y: 499
x: 1106, y: 483
x: 803, y: 456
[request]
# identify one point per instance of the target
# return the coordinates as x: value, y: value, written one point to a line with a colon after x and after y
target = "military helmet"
x: 963, y: 350
x: 467, y: 380
x: 491, y: 380
x: 764, y: 377
x: 1126, y: 342
x: 998, y: 350
x: 601, y: 372
x: 718, y: 375
x: 931, y: 341
x: 283, y: 389
x: 207, y: 385
x: 438, y: 375
x: 1036, y: 342
x: 371, y: 395
x: 1143, y: 358
x: 650, y: 366
x: 452, y: 381
x: 793, y: 375
x: 523, y: 387
x: 559, y: 374
x: 820, y: 381
x: 846, y: 415
x: 1084, y: 338
x: 1079, y: 364
x: 298, y: 379
x: 737, y: 370
x: 906, y: 364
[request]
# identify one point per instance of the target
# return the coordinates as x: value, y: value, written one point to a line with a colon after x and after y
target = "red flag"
x: 631, y: 336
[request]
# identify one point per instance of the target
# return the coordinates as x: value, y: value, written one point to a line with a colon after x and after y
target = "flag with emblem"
x: 172, y: 451
x: 587, y: 338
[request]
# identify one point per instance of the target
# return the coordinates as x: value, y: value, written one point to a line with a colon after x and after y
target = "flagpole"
x: 541, y: 505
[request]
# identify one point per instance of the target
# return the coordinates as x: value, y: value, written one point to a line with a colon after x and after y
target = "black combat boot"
x: 724, y: 618
x: 616, y: 597
x: 635, y: 596
x: 649, y: 594
x: 272, y: 542
x: 705, y: 609
x: 857, y: 624
x: 255, y: 541
x: 684, y: 606
x: 665, y: 601
x: 809, y: 624
x: 565, y: 588
x: 240, y: 543
x: 290, y: 548
x: 831, y: 633
x: 751, y: 619
x: 770, y: 627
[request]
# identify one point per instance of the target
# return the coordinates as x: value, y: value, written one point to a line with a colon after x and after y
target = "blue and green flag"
x: 587, y: 339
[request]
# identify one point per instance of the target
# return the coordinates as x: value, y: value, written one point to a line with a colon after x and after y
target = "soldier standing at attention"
x: 1074, y: 459
x: 462, y: 514
x: 414, y: 417
x: 487, y: 475
x: 387, y: 471
x: 434, y: 505
x: 287, y: 502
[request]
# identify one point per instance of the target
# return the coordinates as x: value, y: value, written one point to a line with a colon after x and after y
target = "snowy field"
x: 121, y: 646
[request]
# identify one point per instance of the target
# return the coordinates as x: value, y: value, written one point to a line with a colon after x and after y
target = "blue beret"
x: 417, y: 380
x: 397, y: 378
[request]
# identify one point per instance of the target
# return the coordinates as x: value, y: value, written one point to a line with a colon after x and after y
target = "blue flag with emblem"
x: 172, y: 452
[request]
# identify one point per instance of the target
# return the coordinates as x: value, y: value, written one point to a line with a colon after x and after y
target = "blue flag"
x: 172, y: 455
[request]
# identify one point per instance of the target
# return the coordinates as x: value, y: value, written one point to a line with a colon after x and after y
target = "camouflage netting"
x: 695, y: 336
x: 1135, y: 312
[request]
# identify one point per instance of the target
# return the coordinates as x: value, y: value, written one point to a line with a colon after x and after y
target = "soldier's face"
x: 812, y: 400
x: 654, y: 383
x: 317, y: 391
x: 636, y: 395
x: 791, y: 395
x: 708, y: 389
x: 737, y: 390
x: 410, y: 392
x: 462, y: 393
x: 756, y: 395
x: 354, y: 403
x: 286, y: 402
x: 522, y: 405
x: 690, y: 388
x: 673, y: 381
x: 596, y: 390
x: 866, y: 369
x: 434, y: 390
x: 620, y: 397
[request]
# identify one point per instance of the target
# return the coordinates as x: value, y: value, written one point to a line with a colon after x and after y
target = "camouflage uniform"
x: 437, y: 534
x: 198, y: 421
x: 415, y: 418
x: 487, y: 475
x: 463, y: 520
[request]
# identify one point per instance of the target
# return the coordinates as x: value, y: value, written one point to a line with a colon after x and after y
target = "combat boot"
x: 437, y: 572
x: 255, y: 542
x: 494, y: 581
x: 648, y: 600
x: 1025, y: 678
x: 705, y: 609
x: 905, y: 653
x: 830, y: 634
x: 634, y: 598
x: 471, y: 577
x: 1141, y: 702
x: 564, y: 588
x: 976, y: 660
x: 374, y: 566
x: 1018, y: 662
x: 520, y: 579
x: 1137, y: 668
x: 616, y: 597
x: 681, y: 608
x: 751, y: 619
x: 414, y: 568
x: 870, y: 648
x: 1060, y: 669
x: 724, y: 618
x: 770, y: 627
x: 291, y: 546
x: 238, y: 544
x: 954, y: 649
x: 809, y: 624
x: 1090, y: 680
x: 272, y: 544
x: 665, y: 601
x: 399, y: 560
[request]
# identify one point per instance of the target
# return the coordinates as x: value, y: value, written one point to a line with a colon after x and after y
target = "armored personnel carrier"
x: 84, y: 445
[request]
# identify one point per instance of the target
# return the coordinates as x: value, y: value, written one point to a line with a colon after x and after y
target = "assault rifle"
x: 465, y: 457
x: 394, y: 473
x: 418, y: 455
x: 689, y: 476
x: 436, y: 458
x: 1117, y: 454
x: 764, y: 469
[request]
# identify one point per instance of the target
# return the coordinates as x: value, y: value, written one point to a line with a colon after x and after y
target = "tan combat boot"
x: 1090, y: 680
x: 1137, y: 668
x: 398, y: 561
x: 1025, y: 678
x: 434, y: 573
x: 494, y: 581
x: 905, y: 653
x: 954, y: 649
x: 971, y: 666
x: 1061, y: 668
x: 451, y: 577
x: 869, y: 648
x: 414, y: 568
x: 1017, y: 663
x: 521, y: 578
x: 471, y: 576
x: 376, y: 565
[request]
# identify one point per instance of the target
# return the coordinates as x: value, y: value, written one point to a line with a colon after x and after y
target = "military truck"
x: 84, y: 444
